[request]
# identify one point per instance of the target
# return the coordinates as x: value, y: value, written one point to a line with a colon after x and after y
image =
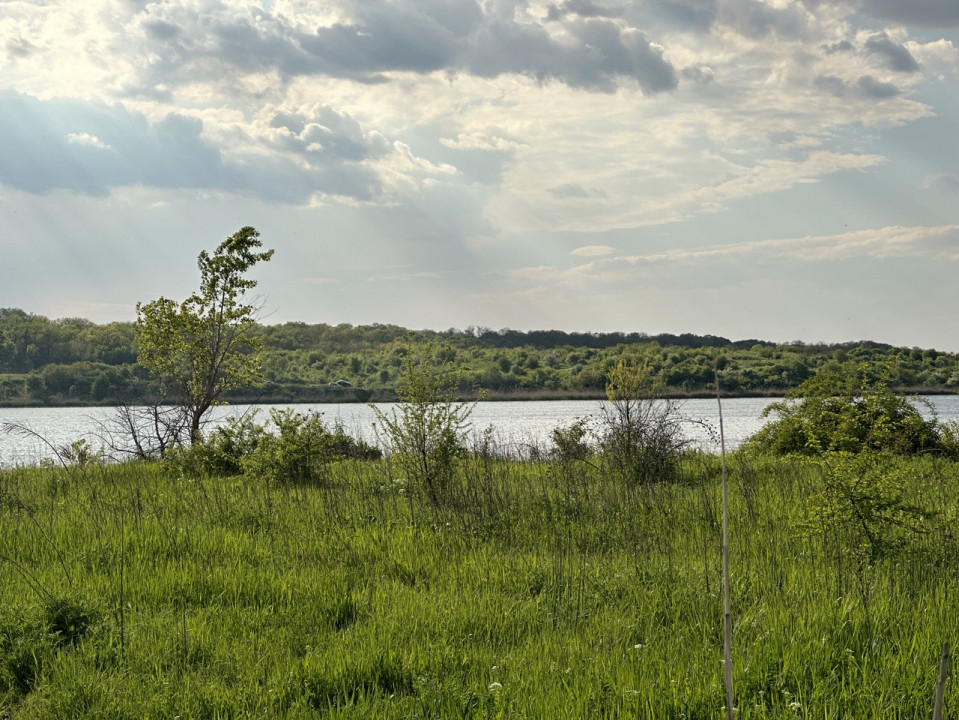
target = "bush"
x: 642, y: 436
x: 427, y: 433
x: 302, y: 448
x: 571, y: 443
x: 841, y: 411
x: 297, y: 451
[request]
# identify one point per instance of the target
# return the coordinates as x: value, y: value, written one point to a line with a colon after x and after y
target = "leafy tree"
x: 205, y: 346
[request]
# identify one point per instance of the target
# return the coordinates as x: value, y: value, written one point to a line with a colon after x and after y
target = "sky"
x: 773, y: 169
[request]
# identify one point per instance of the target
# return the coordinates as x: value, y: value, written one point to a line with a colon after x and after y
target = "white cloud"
x: 935, y: 243
x: 592, y: 251
x: 86, y: 139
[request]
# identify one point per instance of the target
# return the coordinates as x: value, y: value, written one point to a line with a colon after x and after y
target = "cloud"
x: 699, y: 73
x: 938, y: 242
x: 585, y: 47
x: 933, y: 13
x: 948, y: 184
x: 896, y: 56
x: 592, y: 251
x: 92, y: 147
x: 86, y: 139
x: 581, y: 8
x: 757, y: 19
x: 574, y: 190
x: 866, y: 87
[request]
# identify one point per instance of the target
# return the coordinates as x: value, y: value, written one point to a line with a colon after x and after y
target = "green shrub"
x: 295, y: 449
x: 222, y: 452
x: 301, y: 449
x: 571, y: 443
x: 862, y: 509
x: 641, y: 437
x: 841, y: 411
x: 427, y: 432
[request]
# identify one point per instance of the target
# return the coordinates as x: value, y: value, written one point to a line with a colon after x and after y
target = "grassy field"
x: 536, y: 590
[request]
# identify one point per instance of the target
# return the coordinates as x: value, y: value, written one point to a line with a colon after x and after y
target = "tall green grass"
x: 537, y: 590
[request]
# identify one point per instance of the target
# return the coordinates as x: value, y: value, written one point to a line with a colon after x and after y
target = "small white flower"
x: 495, y: 687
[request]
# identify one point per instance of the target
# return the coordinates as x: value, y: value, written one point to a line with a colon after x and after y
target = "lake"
x: 516, y: 424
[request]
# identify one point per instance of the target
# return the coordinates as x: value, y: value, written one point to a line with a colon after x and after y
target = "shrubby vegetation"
x: 641, y: 432
x: 427, y: 432
x: 74, y: 361
x: 850, y: 410
x: 292, y: 449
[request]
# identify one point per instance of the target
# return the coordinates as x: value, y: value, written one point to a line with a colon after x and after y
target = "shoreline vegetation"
x: 74, y: 362
x: 517, y: 396
x: 290, y: 570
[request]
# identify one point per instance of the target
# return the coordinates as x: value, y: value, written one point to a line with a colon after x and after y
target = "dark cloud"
x: 574, y: 190
x: 896, y: 56
x: 596, y: 53
x: 830, y: 84
x: 20, y: 48
x: 685, y: 15
x: 841, y: 46
x: 161, y: 30
x: 869, y: 87
x: 89, y: 148
x: 866, y: 87
x: 931, y: 13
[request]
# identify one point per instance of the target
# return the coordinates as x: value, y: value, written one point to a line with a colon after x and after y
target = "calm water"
x: 515, y: 424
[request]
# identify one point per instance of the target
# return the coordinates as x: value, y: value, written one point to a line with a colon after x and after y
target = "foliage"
x: 642, y: 437
x: 861, y: 510
x: 75, y: 361
x: 427, y: 432
x: 223, y: 451
x: 205, y: 346
x: 294, y: 448
x: 839, y: 410
x: 301, y: 449
x: 81, y: 453
x: 572, y: 442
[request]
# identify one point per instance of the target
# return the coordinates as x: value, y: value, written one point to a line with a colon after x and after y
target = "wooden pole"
x: 941, y: 690
x: 727, y: 614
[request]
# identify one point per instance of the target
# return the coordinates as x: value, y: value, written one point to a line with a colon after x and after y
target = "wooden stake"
x: 941, y: 690
x: 727, y: 614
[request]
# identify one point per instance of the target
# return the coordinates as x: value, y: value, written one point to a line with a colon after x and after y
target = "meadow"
x: 535, y: 588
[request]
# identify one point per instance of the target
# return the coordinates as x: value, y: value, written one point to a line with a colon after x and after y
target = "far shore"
x: 362, y: 396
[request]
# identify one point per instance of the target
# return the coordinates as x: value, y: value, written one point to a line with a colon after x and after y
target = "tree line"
x: 73, y: 360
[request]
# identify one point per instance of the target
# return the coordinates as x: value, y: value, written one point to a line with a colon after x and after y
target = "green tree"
x: 205, y: 346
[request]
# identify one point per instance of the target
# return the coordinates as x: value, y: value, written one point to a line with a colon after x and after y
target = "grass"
x: 537, y: 590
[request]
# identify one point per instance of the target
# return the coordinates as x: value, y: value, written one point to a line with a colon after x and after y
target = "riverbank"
x: 326, y: 396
